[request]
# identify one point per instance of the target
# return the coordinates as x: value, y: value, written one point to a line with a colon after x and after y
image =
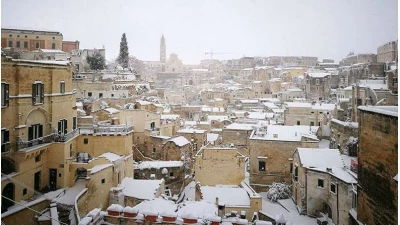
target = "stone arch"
x: 7, y: 196
x: 38, y: 114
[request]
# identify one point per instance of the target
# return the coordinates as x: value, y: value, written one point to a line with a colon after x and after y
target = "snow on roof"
x: 197, y: 210
x: 318, y: 75
x: 298, y: 105
x: 218, y: 118
x: 341, y: 173
x: 79, y: 104
x: 200, y: 70
x: 141, y: 189
x: 260, y: 115
x: 385, y: 110
x: 239, y: 126
x: 51, y: 51
x: 294, y: 89
x: 212, y: 137
x: 98, y: 168
x: 158, y: 164
x: 278, y: 110
x: 328, y: 107
x: 373, y: 84
x: 346, y: 124
x: 157, y: 206
x: 180, y: 141
x: 257, y: 82
x: 249, y: 101
x: 191, y: 131
x: 270, y: 105
x: 161, y: 137
x: 112, y: 110
x: 315, y: 157
x: 50, y: 62
x: 111, y: 156
x: 284, y: 133
x: 143, y: 102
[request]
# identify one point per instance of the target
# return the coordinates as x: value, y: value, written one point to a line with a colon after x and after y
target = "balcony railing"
x: 21, y: 144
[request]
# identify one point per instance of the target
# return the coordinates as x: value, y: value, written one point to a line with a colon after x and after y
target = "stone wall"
x: 377, y: 165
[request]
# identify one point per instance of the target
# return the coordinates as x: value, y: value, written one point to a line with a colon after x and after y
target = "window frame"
x: 10, y: 44
x: 330, y: 188
x: 5, y: 94
x: 37, y: 45
x: 323, y: 183
x: 5, y: 140
x: 62, y: 127
x: 18, y: 44
x: 53, y: 45
x: 62, y: 87
x: 26, y: 44
x: 37, y: 93
x: 260, y: 168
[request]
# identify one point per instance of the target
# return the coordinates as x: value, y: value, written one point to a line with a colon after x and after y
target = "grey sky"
x: 323, y: 28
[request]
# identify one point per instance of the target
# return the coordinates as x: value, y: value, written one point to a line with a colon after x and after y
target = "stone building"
x: 322, y: 184
x: 29, y: 40
x: 45, y: 149
x: 219, y: 165
x: 359, y: 58
x: 299, y: 113
x: 387, y: 52
x: 174, y: 64
x: 344, y: 136
x: 378, y: 165
x: 69, y: 46
x: 317, y: 85
x: 306, y: 61
x: 271, y: 152
x: 237, y: 134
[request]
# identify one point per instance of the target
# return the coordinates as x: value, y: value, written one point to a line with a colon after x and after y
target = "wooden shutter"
x: 7, y: 93
x: 42, y: 97
x: 40, y: 130
x: 30, y: 133
x: 59, y: 127
x: 33, y: 94
x: 65, y: 127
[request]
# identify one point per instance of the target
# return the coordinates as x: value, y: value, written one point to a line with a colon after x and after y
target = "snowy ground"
x: 324, y: 143
x: 291, y: 215
x: 69, y: 197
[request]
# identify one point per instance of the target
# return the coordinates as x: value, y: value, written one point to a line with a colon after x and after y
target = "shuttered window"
x: 62, y: 127
x: 5, y: 94
x: 37, y: 93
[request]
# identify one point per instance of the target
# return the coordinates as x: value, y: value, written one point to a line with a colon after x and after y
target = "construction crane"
x: 211, y: 53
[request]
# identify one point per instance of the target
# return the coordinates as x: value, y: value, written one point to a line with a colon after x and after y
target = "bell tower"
x: 163, y: 52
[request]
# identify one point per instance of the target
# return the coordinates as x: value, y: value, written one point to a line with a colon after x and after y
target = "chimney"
x: 329, y: 170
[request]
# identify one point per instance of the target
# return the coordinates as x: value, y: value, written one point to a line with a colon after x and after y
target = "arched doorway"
x: 7, y: 197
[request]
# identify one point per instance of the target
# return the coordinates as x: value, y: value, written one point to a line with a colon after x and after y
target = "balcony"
x: 105, y: 129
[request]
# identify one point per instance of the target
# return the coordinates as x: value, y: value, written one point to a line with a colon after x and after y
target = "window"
x: 171, y: 174
x: 4, y: 94
x: 53, y: 45
x: 103, y: 181
x: 35, y: 131
x: 71, y: 151
x: 25, y: 44
x: 333, y: 188
x: 26, y: 36
x: 38, y: 158
x: 74, y: 122
x: 298, y: 122
x: 37, y: 37
x: 89, y: 94
x: 10, y: 43
x: 296, y: 173
x: 85, y: 141
x: 152, y: 125
x: 311, y: 123
x: 37, y: 45
x: 54, y: 38
x: 62, y: 127
x: 291, y: 167
x: 18, y: 44
x: 24, y: 191
x: 10, y: 35
x: 112, y: 95
x: 320, y: 183
x: 37, y: 93
x: 5, y: 140
x: 354, y: 200
x: 154, y: 150
x: 261, y: 166
x: 62, y: 87
x: 100, y: 95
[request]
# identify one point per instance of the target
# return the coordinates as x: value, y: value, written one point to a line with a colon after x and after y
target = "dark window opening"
x: 38, y: 158
x: 5, y: 94
x: 103, y: 181
x: 261, y: 166
x: 333, y: 188
x: 24, y: 191
x: 85, y: 141
x: 320, y: 183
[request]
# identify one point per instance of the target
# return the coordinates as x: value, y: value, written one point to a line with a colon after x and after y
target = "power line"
x: 33, y: 210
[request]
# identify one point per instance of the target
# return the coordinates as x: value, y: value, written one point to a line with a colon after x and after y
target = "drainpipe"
x: 306, y: 192
x: 337, y: 203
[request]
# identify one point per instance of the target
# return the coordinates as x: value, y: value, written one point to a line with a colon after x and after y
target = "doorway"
x: 53, y: 179
x: 7, y: 197
x: 37, y: 181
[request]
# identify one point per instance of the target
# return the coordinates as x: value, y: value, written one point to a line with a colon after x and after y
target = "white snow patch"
x: 228, y: 195
x: 141, y: 189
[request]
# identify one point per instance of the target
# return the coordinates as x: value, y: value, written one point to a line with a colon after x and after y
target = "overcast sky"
x: 322, y: 28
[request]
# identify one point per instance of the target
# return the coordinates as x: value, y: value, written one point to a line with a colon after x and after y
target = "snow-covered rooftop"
x: 157, y: 206
x: 110, y: 156
x: 112, y: 110
x: 385, y: 110
x: 228, y: 195
x: 158, y: 164
x: 140, y: 189
x: 212, y: 137
x: 52, y: 51
x: 346, y: 124
x: 317, y: 74
x: 180, y: 141
x: 298, y: 105
x: 191, y: 131
x: 217, y: 118
x: 284, y: 133
x: 98, y: 168
x: 373, y: 84
x: 270, y: 105
x: 239, y: 126
x: 197, y: 210
x: 50, y: 62
x: 249, y: 101
x: 327, y: 107
x: 260, y: 115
